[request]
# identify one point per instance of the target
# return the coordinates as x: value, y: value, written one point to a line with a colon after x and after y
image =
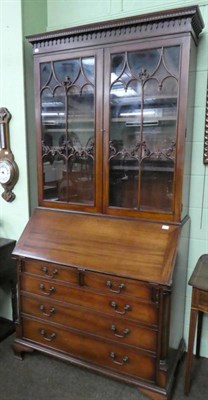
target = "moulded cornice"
x: 178, y: 20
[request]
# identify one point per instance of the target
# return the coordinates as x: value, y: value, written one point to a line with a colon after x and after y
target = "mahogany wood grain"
x: 83, y: 277
x: 132, y: 309
x: 92, y: 349
x: 91, y: 321
x: 101, y: 243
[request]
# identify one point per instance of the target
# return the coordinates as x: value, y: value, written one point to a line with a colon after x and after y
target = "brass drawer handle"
x: 113, y: 356
x: 52, y: 275
x: 110, y: 285
x: 47, y: 337
x: 43, y: 289
x: 115, y: 306
x: 124, y: 333
x: 50, y: 312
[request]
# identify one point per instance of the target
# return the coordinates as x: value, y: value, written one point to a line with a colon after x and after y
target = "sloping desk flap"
x: 132, y: 248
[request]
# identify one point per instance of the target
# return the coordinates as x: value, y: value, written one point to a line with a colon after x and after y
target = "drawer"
x: 123, y: 306
x: 200, y: 299
x: 117, y: 285
x: 101, y: 282
x: 52, y: 271
x: 122, y: 359
x: 95, y: 323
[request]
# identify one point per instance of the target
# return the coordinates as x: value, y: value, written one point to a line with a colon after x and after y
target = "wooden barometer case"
x: 9, y: 172
x: 102, y: 262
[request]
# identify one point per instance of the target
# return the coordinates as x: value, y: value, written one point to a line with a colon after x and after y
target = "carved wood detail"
x: 68, y: 151
x: 143, y: 25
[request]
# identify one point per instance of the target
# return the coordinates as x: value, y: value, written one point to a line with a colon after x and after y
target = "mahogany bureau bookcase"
x: 102, y: 262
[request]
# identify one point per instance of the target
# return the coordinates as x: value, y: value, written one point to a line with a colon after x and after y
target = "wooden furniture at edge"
x: 199, y: 306
x: 102, y: 261
x: 8, y: 277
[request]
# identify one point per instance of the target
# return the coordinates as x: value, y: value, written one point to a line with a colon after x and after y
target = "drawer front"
x: 123, y: 307
x: 52, y: 271
x: 122, y: 359
x: 125, y: 332
x: 203, y: 300
x: 117, y: 285
x: 104, y: 282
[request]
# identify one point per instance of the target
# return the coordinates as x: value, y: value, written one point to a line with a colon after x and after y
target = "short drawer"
x: 95, y: 323
x: 110, y: 355
x: 117, y: 285
x: 200, y: 299
x: 52, y: 271
x: 124, y: 307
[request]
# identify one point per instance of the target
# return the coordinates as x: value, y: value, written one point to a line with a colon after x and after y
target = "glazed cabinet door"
x: 111, y: 128
x: 69, y: 103
x: 141, y: 125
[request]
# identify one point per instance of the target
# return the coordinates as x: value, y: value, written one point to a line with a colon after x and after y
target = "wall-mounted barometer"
x: 9, y: 172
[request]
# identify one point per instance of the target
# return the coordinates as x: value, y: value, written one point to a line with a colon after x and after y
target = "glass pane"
x: 171, y: 59
x: 145, y: 60
x: 125, y: 123
x: 66, y: 70
x: 45, y: 74
x: 68, y: 130
x: 159, y: 140
x: 81, y: 139
x: 157, y: 185
x: 117, y: 66
x: 53, y: 122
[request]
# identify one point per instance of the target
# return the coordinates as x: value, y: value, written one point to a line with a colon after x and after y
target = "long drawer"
x: 123, y: 359
x: 125, y: 307
x: 94, y: 323
x: 97, y: 281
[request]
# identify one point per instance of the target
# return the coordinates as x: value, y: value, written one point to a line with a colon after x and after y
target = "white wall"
x: 14, y: 216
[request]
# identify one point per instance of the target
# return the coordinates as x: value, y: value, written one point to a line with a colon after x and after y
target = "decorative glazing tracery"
x: 136, y: 82
x: 67, y: 75
x: 68, y: 129
x: 68, y: 151
x: 143, y: 131
x: 133, y: 152
x: 67, y: 87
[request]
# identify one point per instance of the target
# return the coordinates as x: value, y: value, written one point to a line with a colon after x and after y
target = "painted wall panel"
x: 14, y: 216
x: 66, y: 13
